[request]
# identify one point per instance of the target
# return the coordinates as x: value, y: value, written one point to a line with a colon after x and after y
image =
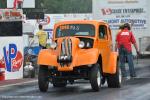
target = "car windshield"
x: 75, y: 30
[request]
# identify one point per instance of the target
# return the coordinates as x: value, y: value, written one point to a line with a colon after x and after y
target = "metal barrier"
x: 144, y: 45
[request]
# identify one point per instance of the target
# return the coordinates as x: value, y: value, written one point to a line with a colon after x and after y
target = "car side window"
x: 102, y: 32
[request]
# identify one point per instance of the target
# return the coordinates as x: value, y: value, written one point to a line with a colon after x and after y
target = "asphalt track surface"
x: 132, y: 89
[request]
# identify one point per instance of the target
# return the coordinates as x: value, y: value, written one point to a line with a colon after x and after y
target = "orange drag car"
x: 80, y: 50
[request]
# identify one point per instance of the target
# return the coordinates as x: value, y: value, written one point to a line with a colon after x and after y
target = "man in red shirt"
x: 124, y: 39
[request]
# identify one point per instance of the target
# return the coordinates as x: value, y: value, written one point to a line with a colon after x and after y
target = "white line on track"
x: 20, y: 83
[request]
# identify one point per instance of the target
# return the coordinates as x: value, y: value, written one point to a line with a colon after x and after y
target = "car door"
x: 104, y: 42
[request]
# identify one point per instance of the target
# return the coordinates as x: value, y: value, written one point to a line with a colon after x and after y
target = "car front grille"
x: 65, y: 56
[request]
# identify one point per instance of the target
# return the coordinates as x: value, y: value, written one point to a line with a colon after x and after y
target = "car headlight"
x: 81, y: 44
x: 53, y: 45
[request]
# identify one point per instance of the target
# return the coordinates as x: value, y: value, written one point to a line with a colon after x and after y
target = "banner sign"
x: 117, y: 12
x: 11, y: 57
x: 10, y: 14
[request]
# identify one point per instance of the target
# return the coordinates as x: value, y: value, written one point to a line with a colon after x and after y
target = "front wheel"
x: 43, y: 78
x: 95, y: 77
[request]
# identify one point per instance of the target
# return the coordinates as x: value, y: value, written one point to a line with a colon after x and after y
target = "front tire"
x: 95, y: 77
x: 43, y: 78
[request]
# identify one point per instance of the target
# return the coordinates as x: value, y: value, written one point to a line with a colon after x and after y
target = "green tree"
x: 61, y: 6
x: 3, y: 3
x: 68, y: 6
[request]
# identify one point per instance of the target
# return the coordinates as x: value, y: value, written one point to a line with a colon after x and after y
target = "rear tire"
x: 43, y: 81
x: 114, y: 80
x: 95, y: 77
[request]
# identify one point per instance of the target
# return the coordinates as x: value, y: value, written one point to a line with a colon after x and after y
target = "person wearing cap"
x: 42, y: 36
x: 124, y: 40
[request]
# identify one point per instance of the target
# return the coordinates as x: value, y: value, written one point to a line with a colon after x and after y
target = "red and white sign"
x: 44, y: 21
x: 11, y: 14
x: 11, y: 57
x: 107, y: 11
x: 26, y: 3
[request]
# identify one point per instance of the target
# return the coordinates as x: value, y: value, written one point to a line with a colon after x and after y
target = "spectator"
x: 42, y: 36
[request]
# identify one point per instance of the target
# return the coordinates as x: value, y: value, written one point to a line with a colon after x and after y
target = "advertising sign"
x: 11, y: 57
x: 26, y: 3
x: 10, y: 14
x: 116, y: 12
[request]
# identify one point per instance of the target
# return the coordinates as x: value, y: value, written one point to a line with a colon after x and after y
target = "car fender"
x: 86, y: 56
x: 112, y: 63
x: 47, y: 57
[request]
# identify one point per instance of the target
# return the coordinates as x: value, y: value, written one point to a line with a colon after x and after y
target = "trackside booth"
x: 11, y: 44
